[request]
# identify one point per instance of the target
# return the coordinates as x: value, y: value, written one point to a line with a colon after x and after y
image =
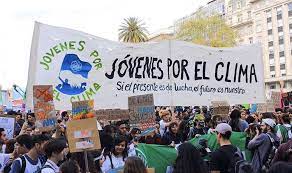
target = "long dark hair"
x: 117, y: 140
x: 134, y: 165
x: 234, y: 122
x: 189, y: 160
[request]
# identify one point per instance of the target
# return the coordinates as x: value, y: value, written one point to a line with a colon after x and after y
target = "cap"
x: 268, y: 121
x: 222, y: 128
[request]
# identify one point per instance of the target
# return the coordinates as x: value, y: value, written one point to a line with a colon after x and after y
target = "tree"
x: 207, y: 30
x: 133, y: 30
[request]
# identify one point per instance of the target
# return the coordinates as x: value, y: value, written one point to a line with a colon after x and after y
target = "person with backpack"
x: 221, y: 159
x: 117, y: 157
x: 263, y: 145
x: 54, y: 150
x: 31, y: 162
x: 284, y: 129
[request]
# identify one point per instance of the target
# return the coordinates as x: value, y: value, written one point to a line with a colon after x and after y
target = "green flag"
x: 160, y: 156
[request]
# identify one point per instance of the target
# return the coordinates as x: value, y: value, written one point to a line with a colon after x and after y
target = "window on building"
x: 284, y: 83
x: 281, y: 47
x: 290, y: 9
x: 269, y: 19
x: 279, y: 13
x: 281, y: 40
x: 270, y: 38
x: 238, y: 5
x: 272, y: 68
x: 249, y: 14
x: 250, y: 40
x: 282, y: 66
x: 270, y: 44
x: 269, y: 13
x: 270, y: 26
x: 280, y: 22
x: 239, y: 18
x: 273, y: 86
x: 272, y: 75
x: 290, y: 28
x: 281, y: 54
x: 270, y: 32
x: 280, y: 29
x: 271, y: 56
x: 290, y: 39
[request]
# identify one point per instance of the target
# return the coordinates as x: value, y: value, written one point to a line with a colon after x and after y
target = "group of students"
x: 32, y: 152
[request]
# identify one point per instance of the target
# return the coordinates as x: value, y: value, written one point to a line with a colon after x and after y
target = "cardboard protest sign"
x: 8, y: 124
x: 82, y: 109
x: 220, y: 108
x: 112, y: 114
x: 261, y: 107
x: 270, y: 106
x: 83, y: 135
x: 142, y: 111
x: 81, y: 66
x: 276, y: 98
x: 44, y: 106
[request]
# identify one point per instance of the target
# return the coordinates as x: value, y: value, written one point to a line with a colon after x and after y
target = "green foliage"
x: 133, y: 30
x: 207, y: 30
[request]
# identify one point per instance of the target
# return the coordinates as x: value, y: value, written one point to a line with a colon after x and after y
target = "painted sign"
x: 112, y: 114
x: 8, y: 124
x: 82, y: 109
x: 84, y: 67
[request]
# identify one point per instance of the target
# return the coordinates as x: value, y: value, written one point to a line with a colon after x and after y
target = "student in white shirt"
x: 117, y: 156
x: 31, y: 162
x: 54, y: 150
x: 165, y: 121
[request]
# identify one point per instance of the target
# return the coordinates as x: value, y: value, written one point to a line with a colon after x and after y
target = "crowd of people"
x: 269, y: 139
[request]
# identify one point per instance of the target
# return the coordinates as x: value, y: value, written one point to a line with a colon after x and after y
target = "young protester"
x: 29, y: 125
x: 134, y: 165
x: 284, y: 153
x: 188, y: 160
x: 31, y: 162
x: 118, y: 155
x: 172, y: 137
x: 54, y: 150
x: 18, y: 124
x: 221, y: 159
x: 107, y: 138
x: 69, y: 166
x: 236, y: 123
x: 3, y: 139
x: 122, y: 127
x: 164, y: 122
x: 283, y: 129
x: 262, y: 144
x: 198, y: 128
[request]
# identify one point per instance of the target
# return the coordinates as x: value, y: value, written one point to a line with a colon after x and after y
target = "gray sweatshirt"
x: 261, y: 146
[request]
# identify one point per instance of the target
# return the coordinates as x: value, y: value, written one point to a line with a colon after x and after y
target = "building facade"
x: 270, y: 23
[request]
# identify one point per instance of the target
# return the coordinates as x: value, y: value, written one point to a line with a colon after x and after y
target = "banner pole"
x: 86, y: 162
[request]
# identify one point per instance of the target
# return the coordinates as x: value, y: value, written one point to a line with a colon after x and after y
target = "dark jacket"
x: 168, y: 137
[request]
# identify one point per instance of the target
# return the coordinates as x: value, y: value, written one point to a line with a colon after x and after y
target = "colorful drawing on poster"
x: 83, y: 109
x: 44, y: 106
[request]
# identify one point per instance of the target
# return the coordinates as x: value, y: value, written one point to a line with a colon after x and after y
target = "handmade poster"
x: 270, y: 106
x: 81, y: 66
x: 220, y: 108
x: 8, y: 124
x: 83, y: 135
x: 44, y: 106
x: 262, y: 107
x: 276, y: 98
x: 112, y: 114
x: 142, y: 111
x: 83, y: 109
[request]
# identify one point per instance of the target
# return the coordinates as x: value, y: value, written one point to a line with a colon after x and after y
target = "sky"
x: 101, y: 18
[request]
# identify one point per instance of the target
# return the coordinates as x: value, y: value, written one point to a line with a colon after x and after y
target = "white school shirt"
x: 30, y: 168
x: 117, y: 163
x: 52, y: 169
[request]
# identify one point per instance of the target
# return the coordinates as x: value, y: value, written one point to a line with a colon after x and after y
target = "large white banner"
x: 83, y: 67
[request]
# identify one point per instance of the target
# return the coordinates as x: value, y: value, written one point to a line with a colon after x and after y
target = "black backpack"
x: 241, y: 165
x: 7, y: 168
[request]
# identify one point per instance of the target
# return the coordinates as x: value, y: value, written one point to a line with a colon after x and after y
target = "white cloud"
x: 97, y: 17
